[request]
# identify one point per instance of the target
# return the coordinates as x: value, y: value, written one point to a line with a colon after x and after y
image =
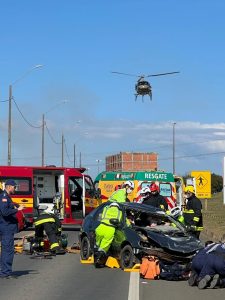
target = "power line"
x: 53, y: 140
x: 28, y: 123
x: 195, y: 155
x: 67, y: 152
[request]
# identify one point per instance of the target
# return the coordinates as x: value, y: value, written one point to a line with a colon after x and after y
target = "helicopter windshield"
x: 144, y: 83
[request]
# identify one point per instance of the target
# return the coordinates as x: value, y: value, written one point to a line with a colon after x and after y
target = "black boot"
x: 204, y: 282
x: 215, y: 281
x: 100, y: 259
x: 192, y: 280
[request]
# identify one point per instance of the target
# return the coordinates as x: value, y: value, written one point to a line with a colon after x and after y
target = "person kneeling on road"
x: 208, y: 267
x: 47, y: 221
x: 104, y: 233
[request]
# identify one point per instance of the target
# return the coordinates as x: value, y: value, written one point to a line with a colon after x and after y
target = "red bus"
x: 68, y: 189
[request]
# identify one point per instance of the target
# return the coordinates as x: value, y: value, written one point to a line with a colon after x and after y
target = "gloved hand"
x: 115, y: 222
x: 190, y: 228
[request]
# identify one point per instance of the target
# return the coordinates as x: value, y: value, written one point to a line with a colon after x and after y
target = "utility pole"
x: 10, y: 112
x: 62, y: 150
x: 43, y: 141
x: 98, y: 161
x: 174, y: 148
x: 74, y: 155
x: 43, y: 130
x: 10, y: 126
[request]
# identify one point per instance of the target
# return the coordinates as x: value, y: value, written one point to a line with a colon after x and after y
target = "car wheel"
x: 85, y: 249
x: 127, y: 257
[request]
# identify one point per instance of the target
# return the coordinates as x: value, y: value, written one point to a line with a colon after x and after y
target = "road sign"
x: 203, y: 183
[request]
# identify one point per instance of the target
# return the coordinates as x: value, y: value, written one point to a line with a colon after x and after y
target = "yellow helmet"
x: 189, y: 189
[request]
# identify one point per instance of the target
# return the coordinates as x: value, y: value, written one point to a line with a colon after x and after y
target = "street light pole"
x: 43, y: 141
x: 174, y: 148
x: 10, y: 125
x: 10, y: 113
x: 62, y: 150
x: 98, y: 161
x: 74, y: 155
x: 43, y: 130
x: 74, y: 149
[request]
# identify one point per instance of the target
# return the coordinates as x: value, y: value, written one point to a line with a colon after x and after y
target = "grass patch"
x: 214, y: 217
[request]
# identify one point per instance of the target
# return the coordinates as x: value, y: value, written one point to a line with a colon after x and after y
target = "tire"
x: 127, y: 257
x: 85, y: 249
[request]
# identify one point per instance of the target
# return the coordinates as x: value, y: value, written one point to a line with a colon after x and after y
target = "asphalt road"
x: 64, y: 277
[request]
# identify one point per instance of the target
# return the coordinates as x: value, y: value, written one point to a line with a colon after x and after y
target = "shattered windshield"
x: 154, y: 220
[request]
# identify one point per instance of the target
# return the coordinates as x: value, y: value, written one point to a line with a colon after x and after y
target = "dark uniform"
x: 214, y: 264
x: 52, y: 226
x: 8, y: 227
x: 156, y: 200
x: 192, y: 215
x: 208, y: 266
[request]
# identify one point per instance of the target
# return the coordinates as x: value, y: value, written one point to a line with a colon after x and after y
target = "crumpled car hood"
x: 182, y: 244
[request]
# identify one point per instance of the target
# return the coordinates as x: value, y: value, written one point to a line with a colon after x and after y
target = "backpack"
x: 173, y: 271
x: 149, y: 268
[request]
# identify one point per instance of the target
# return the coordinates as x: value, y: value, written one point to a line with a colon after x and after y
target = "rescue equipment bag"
x: 149, y: 268
x: 174, y: 271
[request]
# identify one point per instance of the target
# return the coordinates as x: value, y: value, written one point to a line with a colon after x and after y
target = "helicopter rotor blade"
x: 162, y: 74
x: 124, y: 74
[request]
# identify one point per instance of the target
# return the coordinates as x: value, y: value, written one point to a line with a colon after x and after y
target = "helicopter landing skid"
x: 136, y: 95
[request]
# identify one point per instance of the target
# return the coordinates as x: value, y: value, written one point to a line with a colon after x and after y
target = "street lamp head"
x: 38, y: 66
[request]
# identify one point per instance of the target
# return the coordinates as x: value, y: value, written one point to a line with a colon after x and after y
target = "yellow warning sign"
x: 203, y: 183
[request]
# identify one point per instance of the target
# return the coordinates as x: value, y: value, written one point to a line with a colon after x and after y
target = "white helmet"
x: 114, y: 204
x: 145, y: 190
x: 129, y: 183
x: 175, y: 212
x: 49, y: 210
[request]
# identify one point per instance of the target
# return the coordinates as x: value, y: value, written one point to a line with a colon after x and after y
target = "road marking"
x: 133, y: 293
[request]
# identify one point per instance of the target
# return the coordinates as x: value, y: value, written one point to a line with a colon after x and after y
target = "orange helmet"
x: 154, y: 187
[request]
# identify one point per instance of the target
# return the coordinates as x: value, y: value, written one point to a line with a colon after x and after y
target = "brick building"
x: 132, y: 161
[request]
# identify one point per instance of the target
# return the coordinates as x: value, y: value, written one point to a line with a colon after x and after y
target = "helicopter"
x: 142, y: 86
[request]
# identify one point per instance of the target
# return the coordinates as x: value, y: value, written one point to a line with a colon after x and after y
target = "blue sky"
x: 79, y: 43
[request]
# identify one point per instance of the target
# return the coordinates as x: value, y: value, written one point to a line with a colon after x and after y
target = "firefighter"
x: 145, y: 193
x: 192, y: 214
x: 1, y: 187
x: 198, y: 262
x: 104, y: 233
x: 208, y: 267
x: 47, y: 221
x: 121, y: 194
x: 155, y: 199
x: 8, y: 227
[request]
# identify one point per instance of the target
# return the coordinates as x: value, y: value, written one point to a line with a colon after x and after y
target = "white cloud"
x: 196, y: 144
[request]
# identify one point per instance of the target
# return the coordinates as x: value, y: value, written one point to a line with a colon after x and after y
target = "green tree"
x: 216, y: 183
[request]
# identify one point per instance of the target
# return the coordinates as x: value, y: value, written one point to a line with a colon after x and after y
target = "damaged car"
x: 144, y: 230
